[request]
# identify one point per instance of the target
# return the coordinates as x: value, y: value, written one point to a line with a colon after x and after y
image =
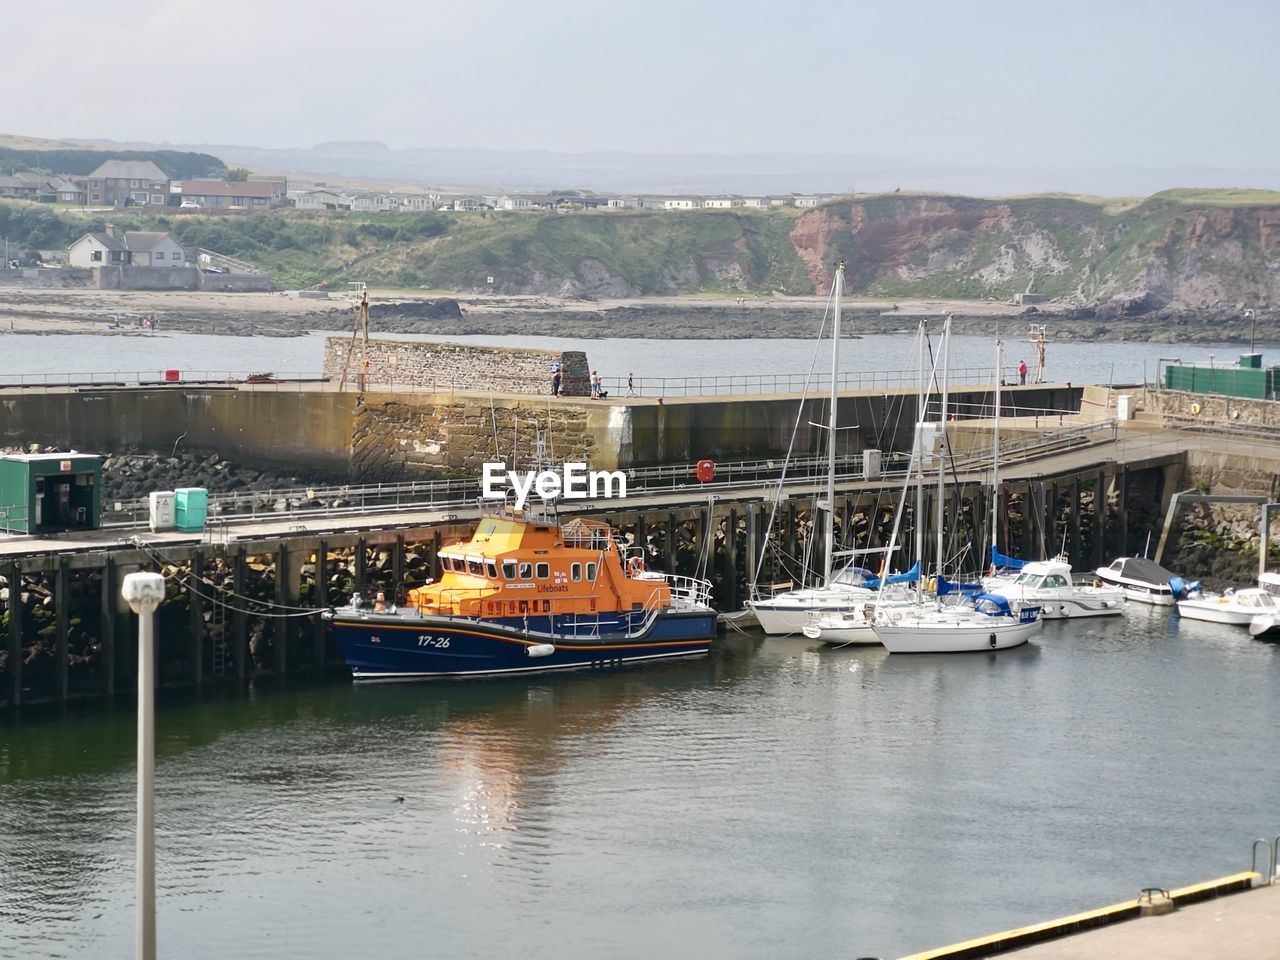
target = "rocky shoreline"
x: 279, y: 315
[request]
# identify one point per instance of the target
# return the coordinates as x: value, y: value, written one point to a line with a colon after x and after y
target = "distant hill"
x: 81, y: 161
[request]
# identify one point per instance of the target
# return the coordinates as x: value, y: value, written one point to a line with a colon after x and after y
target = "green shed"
x: 44, y: 492
x: 1246, y: 379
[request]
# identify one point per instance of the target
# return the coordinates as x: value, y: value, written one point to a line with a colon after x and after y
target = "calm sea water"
x: 776, y: 800
x: 614, y: 358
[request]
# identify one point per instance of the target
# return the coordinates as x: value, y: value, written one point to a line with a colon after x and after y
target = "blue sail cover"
x: 992, y: 604
x: 1000, y: 561
x: 946, y: 586
x: 911, y: 576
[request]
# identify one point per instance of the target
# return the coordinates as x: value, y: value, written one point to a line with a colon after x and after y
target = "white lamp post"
x: 144, y: 592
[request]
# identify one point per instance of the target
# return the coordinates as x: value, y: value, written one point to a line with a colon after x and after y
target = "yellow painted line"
x: 1052, y: 929
x: 1197, y: 891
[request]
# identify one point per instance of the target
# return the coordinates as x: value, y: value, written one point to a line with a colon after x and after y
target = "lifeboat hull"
x: 411, y: 647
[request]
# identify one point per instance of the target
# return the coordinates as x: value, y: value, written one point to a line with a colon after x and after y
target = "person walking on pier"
x: 555, y: 383
x: 631, y: 385
x: 595, y: 385
x: 1022, y: 373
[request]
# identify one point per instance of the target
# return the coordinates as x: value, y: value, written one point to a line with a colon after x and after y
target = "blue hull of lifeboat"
x: 407, y: 646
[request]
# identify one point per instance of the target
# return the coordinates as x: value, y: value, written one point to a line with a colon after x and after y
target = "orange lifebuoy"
x: 635, y: 567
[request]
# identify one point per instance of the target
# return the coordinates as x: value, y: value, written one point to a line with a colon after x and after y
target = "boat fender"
x: 540, y: 649
x: 992, y: 640
x: 1195, y: 409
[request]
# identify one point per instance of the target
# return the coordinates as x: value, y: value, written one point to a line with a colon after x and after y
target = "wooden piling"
x: 731, y: 560
x: 62, y: 650
x: 195, y: 585
x: 240, y: 625
x: 14, y: 577
x: 322, y: 601
x: 108, y: 626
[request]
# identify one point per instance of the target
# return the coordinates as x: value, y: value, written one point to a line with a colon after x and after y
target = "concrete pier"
x: 1219, y: 918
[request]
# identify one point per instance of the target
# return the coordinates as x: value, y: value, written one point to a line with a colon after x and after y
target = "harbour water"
x: 776, y: 800
x: 615, y: 357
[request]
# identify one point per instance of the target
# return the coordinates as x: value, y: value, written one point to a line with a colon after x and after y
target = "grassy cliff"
x: 1180, y: 249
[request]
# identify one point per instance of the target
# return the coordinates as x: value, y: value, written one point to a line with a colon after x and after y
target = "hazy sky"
x: 1093, y: 83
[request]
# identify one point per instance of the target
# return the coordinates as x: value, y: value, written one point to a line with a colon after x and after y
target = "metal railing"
x: 1270, y: 861
x: 691, y: 590
x: 238, y: 379
x: 305, y: 503
x: 731, y: 384
x: 412, y: 382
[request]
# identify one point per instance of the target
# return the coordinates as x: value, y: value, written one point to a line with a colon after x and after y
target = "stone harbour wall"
x: 398, y: 437
x: 456, y: 366
x: 1212, y: 407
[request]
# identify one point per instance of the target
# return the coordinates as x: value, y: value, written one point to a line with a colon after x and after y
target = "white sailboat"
x: 839, y: 591
x: 980, y: 622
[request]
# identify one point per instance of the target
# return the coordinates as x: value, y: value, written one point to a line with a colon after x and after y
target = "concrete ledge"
x: 1076, y: 922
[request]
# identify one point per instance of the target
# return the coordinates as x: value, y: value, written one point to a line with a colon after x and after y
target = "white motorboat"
x: 1145, y: 581
x: 1266, y: 626
x: 1049, y: 583
x: 1235, y: 607
x: 986, y: 622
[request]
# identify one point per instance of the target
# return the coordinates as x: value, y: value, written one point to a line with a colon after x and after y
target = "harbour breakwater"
x: 306, y: 429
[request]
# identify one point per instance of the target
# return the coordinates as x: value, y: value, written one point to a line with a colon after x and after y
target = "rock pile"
x: 133, y: 474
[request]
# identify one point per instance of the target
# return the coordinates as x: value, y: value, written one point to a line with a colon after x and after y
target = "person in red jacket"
x: 1022, y: 373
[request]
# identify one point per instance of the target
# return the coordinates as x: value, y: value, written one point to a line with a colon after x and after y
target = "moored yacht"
x: 983, y: 622
x: 1145, y: 581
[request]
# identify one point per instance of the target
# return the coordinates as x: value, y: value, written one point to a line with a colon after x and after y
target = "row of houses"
x: 140, y: 183
x: 41, y: 189
x: 803, y: 202
x: 331, y: 199
x: 324, y: 198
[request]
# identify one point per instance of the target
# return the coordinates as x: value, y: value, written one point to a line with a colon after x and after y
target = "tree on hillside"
x: 237, y: 174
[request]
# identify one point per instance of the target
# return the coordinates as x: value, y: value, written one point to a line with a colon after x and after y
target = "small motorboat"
x: 1049, y: 583
x: 1266, y: 626
x: 1238, y: 608
x: 1145, y: 581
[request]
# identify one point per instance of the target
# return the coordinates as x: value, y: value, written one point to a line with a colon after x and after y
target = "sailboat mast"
x: 922, y: 404
x: 828, y: 559
x: 943, y: 447
x: 995, y: 453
